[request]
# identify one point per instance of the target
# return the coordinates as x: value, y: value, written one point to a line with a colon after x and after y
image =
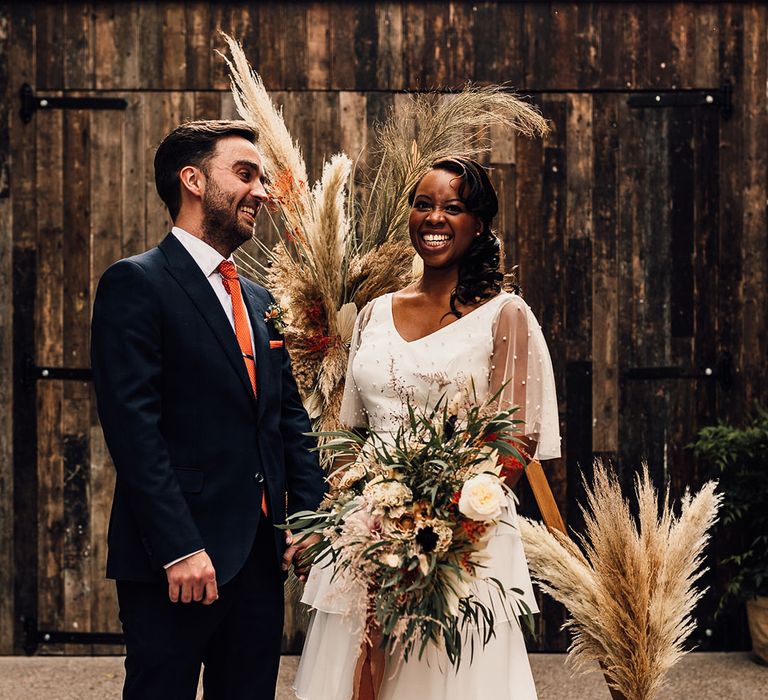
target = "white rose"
x: 482, y: 498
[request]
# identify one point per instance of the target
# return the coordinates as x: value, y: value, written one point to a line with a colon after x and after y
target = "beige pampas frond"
x: 429, y: 128
x: 328, y: 264
x: 283, y: 161
x: 631, y: 593
x: 328, y: 233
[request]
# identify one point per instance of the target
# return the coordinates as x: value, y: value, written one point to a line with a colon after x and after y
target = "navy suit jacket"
x: 192, y: 446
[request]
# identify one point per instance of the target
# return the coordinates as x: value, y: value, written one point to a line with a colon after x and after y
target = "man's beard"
x: 221, y: 227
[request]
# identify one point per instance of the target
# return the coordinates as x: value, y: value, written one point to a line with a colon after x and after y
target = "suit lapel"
x: 191, y: 279
x: 260, y: 340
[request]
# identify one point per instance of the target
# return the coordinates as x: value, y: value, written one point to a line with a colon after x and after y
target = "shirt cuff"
x: 186, y: 556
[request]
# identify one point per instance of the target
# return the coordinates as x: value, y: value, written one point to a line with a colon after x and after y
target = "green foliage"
x: 738, y: 457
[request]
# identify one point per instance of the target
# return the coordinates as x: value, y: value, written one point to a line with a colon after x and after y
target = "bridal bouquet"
x: 408, y: 519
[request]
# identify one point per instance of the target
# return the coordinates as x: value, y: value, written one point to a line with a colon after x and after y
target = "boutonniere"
x: 274, y: 315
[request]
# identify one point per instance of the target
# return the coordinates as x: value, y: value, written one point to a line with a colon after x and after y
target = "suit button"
x: 259, y: 477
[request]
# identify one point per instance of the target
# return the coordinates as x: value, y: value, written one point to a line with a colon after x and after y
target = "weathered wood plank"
x: 426, y: 51
x: 503, y: 177
x: 119, y: 34
x: 529, y: 232
x: 198, y: 46
x: 682, y: 31
x: 706, y: 63
x: 133, y: 224
x: 732, y: 204
x: 605, y: 276
x: 117, y: 152
x: 174, y: 47
x: 342, y: 46
x: 461, y: 56
x: 683, y: 416
x: 389, y: 52
x: 510, y: 45
x: 78, y: 50
x: 662, y: 55
x: 549, y: 31
x: 581, y: 159
x: 48, y: 350
x: 49, y: 25
x: 7, y: 572
x: 365, y: 31
x: 622, y: 46
x: 21, y: 66
x: 150, y: 26
x: 755, y: 195
x: 318, y: 46
x: 241, y: 23
x: 75, y: 396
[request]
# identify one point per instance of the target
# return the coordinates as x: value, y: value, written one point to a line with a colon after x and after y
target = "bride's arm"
x: 522, y: 371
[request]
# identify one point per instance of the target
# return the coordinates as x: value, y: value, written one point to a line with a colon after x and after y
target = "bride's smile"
x: 440, y: 225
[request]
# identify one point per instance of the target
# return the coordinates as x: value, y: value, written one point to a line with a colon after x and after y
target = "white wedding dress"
x: 499, y: 343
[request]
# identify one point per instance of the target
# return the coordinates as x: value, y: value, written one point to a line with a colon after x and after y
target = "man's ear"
x: 192, y: 180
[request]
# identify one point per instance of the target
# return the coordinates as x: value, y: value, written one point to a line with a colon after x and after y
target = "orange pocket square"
x: 275, y: 344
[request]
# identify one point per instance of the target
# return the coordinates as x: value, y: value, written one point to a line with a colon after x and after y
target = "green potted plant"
x: 738, y: 458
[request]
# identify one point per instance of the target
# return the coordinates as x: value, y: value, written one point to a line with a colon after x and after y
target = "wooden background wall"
x: 640, y: 235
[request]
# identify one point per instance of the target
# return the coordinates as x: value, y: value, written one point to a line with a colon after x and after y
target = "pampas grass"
x: 334, y: 257
x: 430, y: 128
x: 630, y: 592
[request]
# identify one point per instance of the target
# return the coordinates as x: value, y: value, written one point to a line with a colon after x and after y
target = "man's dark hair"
x: 192, y: 143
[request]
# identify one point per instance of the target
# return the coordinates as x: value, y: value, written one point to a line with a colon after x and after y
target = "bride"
x: 452, y: 326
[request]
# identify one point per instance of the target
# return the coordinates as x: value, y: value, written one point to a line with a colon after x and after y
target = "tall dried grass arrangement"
x: 334, y: 257
x: 630, y: 592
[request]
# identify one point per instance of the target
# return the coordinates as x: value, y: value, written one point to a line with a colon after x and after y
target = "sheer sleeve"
x: 522, y: 366
x: 352, y: 413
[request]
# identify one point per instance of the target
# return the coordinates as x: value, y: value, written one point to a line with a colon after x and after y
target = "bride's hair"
x: 480, y: 276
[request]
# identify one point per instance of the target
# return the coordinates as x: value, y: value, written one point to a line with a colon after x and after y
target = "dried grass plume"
x: 630, y: 592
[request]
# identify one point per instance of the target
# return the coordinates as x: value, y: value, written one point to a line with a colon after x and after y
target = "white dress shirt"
x: 208, y: 260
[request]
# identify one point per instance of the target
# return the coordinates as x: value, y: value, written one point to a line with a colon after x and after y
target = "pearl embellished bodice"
x: 499, y: 344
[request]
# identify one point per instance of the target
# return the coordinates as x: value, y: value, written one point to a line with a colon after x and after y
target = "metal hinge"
x: 722, y: 371
x: 722, y: 97
x: 34, y: 637
x: 33, y: 372
x: 30, y: 103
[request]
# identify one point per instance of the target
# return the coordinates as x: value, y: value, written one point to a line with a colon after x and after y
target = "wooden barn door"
x: 91, y: 199
x: 90, y: 174
x: 613, y: 222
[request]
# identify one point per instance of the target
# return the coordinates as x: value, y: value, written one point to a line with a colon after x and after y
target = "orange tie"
x: 232, y: 285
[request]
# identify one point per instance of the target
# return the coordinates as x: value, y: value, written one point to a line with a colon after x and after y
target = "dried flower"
x: 274, y: 315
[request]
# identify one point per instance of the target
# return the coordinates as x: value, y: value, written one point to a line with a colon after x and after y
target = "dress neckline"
x: 391, y: 315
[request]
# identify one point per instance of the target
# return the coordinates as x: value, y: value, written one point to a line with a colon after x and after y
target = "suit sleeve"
x: 127, y: 362
x: 305, y: 479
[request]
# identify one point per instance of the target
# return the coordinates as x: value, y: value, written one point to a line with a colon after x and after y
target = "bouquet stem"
x: 369, y: 672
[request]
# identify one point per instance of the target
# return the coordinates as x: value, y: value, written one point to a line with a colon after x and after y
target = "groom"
x: 206, y: 430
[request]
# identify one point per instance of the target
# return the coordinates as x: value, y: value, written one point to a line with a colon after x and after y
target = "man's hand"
x: 295, y: 554
x: 193, y: 578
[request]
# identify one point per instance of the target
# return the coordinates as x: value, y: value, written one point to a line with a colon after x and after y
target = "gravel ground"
x: 703, y: 676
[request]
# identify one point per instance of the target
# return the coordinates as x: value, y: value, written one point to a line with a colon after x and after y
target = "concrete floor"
x: 704, y: 676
